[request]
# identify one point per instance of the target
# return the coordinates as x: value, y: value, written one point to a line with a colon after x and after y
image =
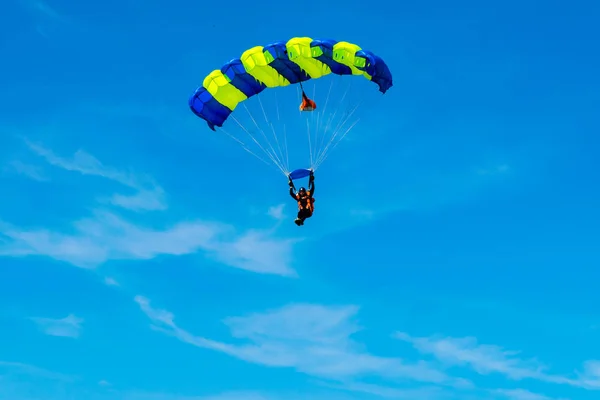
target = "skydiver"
x: 304, y: 198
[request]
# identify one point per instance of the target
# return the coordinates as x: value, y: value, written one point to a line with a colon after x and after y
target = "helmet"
x: 301, y: 190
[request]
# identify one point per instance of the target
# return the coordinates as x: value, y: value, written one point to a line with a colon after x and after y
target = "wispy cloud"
x: 110, y: 281
x: 43, y: 9
x: 590, y: 377
x: 362, y: 214
x: 380, y: 391
x: 107, y: 236
x: 236, y: 395
x: 70, y: 326
x: 17, y: 368
x: 255, y: 251
x: 148, y: 195
x: 494, y: 170
x: 486, y: 359
x: 153, y: 199
x: 45, y: 16
x: 276, y: 212
x: 239, y: 396
x: 28, y: 170
x: 19, y: 381
x: 521, y: 394
x: 313, y: 339
x: 85, y: 164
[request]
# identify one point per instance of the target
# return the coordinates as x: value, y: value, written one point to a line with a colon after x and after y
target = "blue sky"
x: 454, y: 249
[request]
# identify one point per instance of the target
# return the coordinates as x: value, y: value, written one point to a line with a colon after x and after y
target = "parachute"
x: 277, y: 65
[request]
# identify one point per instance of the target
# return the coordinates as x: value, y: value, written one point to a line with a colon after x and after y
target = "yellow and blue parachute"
x: 280, y: 64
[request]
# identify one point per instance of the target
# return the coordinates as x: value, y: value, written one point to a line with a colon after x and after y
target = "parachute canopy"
x: 299, y: 173
x: 281, y: 64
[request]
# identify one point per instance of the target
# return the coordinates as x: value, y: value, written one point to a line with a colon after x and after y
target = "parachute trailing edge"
x: 281, y: 64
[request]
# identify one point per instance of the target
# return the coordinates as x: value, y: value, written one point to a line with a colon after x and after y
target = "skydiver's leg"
x: 299, y: 220
x: 302, y: 215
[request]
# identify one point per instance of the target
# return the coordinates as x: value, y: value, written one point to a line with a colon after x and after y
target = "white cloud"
x: 28, y: 170
x: 313, y: 339
x: 291, y: 395
x: 17, y: 368
x: 521, y: 394
x: 495, y: 170
x: 107, y: 236
x: 45, y: 9
x: 23, y: 381
x: 110, y: 281
x: 255, y: 251
x: 148, y: 195
x: 362, y: 214
x: 276, y: 212
x: 83, y: 163
x: 233, y: 395
x: 431, y: 392
x: 590, y: 378
x: 486, y: 359
x: 69, y: 326
x: 19, y: 381
x: 238, y: 396
x: 143, y: 200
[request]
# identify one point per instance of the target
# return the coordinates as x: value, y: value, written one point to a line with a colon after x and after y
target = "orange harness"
x: 309, y: 202
x: 307, y: 104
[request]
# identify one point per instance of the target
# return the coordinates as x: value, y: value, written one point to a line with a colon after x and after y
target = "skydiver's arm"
x: 292, y: 188
x: 311, y: 188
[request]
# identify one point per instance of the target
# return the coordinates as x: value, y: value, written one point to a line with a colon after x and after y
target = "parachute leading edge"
x: 281, y: 64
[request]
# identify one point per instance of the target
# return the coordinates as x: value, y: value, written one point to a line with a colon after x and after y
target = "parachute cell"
x: 281, y: 64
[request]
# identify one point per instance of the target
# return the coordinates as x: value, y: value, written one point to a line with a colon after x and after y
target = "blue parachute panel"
x: 216, y: 110
x: 299, y: 173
